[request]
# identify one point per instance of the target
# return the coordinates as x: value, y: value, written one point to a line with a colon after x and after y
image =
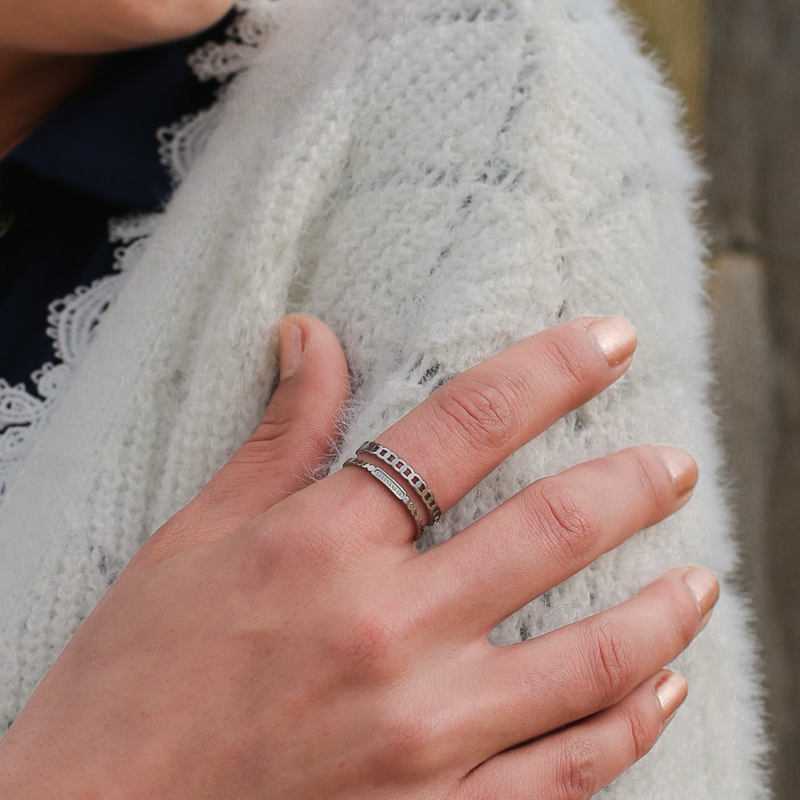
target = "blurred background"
x: 737, y: 65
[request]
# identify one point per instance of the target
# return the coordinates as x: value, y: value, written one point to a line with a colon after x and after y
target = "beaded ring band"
x: 393, y: 486
x: 404, y: 469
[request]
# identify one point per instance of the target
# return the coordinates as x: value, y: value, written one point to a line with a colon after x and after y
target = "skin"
x: 51, y: 48
x: 274, y: 640
x: 277, y: 639
x: 103, y: 26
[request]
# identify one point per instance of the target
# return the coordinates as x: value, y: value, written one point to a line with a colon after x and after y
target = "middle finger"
x: 464, y: 430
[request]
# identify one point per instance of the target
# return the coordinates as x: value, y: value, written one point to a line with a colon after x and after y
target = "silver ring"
x: 406, y: 470
x: 393, y: 486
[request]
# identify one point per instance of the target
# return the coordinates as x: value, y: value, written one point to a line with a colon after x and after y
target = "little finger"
x: 534, y: 687
x: 576, y: 763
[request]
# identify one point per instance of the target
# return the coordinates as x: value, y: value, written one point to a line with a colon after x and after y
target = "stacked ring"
x: 393, y: 486
x: 405, y: 470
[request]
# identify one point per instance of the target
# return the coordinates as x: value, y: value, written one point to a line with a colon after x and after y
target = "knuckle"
x: 577, y: 770
x: 677, y: 612
x: 367, y: 643
x: 641, y: 729
x: 369, y: 646
x: 571, y: 527
x: 685, y: 616
x: 611, y: 659
x: 325, y: 544
x: 417, y: 740
x: 481, y: 414
x: 570, y: 362
x: 268, y: 442
x: 272, y: 549
x: 271, y: 428
x: 411, y: 740
x: 652, y: 478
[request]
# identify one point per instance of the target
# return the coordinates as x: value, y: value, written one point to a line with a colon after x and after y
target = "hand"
x: 287, y: 642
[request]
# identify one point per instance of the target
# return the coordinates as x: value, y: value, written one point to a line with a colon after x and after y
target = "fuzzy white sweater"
x: 435, y: 179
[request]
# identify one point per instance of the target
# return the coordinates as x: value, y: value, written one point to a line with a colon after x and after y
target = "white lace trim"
x: 181, y: 142
x: 73, y: 320
x: 71, y: 324
x: 245, y: 36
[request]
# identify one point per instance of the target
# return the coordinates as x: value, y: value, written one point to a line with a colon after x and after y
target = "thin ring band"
x: 393, y: 486
x: 406, y: 470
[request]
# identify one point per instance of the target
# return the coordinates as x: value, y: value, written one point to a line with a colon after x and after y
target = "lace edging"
x: 73, y: 320
x: 246, y: 35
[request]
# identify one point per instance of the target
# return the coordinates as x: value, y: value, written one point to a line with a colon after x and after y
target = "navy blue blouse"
x: 95, y: 158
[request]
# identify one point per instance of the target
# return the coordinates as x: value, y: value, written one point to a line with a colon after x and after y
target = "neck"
x: 32, y: 87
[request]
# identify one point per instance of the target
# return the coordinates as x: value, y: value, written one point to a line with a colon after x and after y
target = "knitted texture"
x: 435, y: 179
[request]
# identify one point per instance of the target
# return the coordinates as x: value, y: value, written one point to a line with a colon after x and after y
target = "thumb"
x: 301, y: 423
x: 291, y: 443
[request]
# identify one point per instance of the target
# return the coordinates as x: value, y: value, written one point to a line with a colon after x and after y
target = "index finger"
x: 465, y: 429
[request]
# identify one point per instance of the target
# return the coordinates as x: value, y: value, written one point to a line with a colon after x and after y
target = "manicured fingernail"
x: 704, y: 622
x: 291, y: 348
x: 671, y: 691
x: 705, y: 588
x: 681, y: 466
x: 615, y: 337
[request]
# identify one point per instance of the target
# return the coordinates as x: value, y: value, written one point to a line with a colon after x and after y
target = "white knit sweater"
x: 435, y: 179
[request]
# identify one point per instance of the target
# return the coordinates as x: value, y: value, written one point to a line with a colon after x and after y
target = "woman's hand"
x: 279, y: 641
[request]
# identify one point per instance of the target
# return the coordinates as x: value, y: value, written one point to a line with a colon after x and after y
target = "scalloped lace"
x: 71, y: 324
x: 73, y: 320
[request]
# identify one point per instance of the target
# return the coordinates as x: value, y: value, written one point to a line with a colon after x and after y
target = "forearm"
x: 98, y: 26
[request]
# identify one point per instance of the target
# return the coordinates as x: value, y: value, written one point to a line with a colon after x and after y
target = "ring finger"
x: 548, y: 532
x: 575, y: 763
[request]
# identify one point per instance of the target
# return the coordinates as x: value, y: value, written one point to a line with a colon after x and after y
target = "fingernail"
x: 615, y: 337
x: 291, y: 348
x: 671, y: 691
x: 704, y: 622
x: 705, y: 588
x: 681, y: 466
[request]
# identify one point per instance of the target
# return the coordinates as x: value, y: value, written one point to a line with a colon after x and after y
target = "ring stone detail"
x: 393, y: 486
x: 406, y: 470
